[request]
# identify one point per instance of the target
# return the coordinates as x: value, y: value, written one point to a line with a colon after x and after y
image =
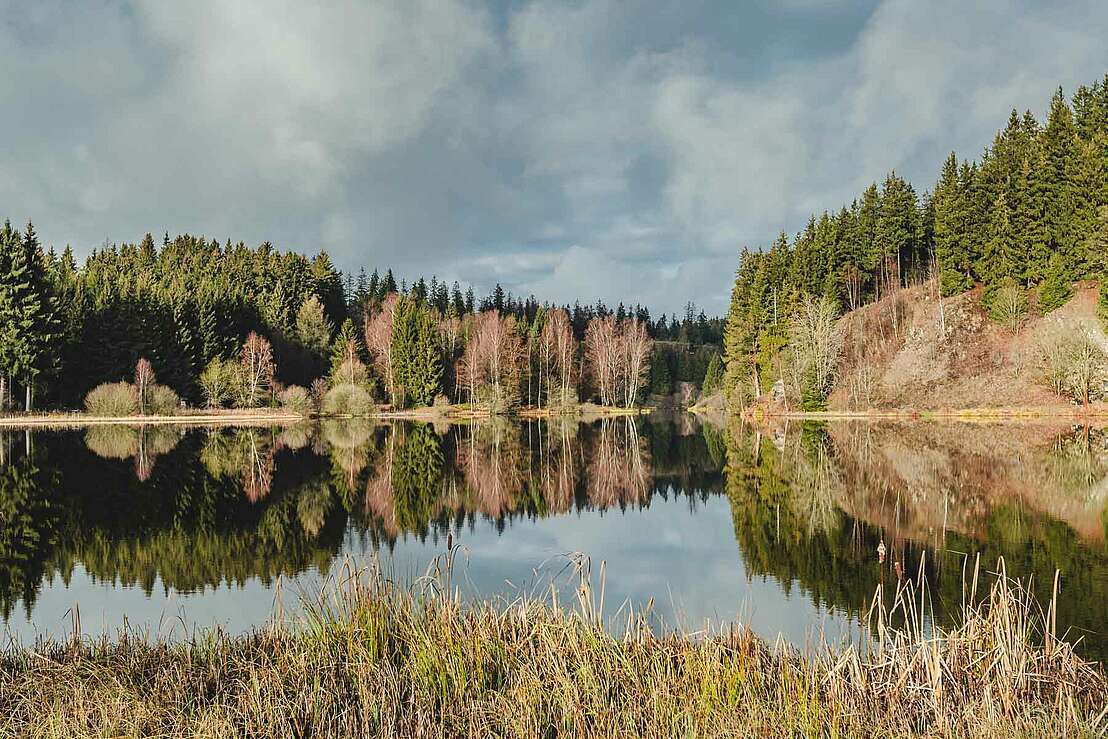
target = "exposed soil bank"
x: 913, y: 351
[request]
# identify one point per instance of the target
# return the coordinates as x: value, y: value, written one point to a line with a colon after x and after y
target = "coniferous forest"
x: 1029, y: 218
x: 142, y: 328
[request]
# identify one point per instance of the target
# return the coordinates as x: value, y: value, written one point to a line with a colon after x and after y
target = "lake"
x: 167, y: 530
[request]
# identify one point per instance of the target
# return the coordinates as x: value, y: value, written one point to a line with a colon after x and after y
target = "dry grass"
x: 373, y: 659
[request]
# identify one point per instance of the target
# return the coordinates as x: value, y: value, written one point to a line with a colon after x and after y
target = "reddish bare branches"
x: 618, y: 356
x: 258, y: 369
x: 378, y: 339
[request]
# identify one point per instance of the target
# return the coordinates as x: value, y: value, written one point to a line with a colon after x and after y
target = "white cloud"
x: 594, y: 149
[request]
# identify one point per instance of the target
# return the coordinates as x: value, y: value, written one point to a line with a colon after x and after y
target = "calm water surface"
x: 167, y: 531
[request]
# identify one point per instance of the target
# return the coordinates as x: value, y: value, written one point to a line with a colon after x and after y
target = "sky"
x: 622, y: 150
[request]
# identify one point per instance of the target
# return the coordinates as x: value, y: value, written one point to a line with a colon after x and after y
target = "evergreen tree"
x: 952, y: 251
x: 416, y: 352
x: 897, y: 231
x: 312, y: 327
x: 1056, y: 288
x: 346, y: 343
x: 328, y: 286
x: 1057, y: 181
x: 1001, y: 256
x: 27, y: 311
x: 713, y: 377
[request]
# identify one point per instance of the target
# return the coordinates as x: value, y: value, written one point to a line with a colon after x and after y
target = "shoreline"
x: 281, y: 417
x: 1035, y: 413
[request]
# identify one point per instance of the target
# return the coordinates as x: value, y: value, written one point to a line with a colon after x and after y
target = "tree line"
x: 226, y: 324
x: 1024, y: 222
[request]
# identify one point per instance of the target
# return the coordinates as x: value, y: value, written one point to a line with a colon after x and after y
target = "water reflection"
x: 114, y: 512
x: 815, y: 506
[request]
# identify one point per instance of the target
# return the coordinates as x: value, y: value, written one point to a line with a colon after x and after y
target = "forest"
x: 1023, y: 223
x: 144, y: 328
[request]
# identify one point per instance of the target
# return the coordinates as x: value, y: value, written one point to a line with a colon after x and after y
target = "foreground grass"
x: 374, y: 660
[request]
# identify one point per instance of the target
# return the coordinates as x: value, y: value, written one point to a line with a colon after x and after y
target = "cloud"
x: 596, y: 149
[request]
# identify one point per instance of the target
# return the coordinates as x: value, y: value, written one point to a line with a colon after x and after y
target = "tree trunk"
x: 28, y: 397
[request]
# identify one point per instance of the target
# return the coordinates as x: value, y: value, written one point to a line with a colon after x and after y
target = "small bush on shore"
x: 112, y: 399
x: 162, y: 401
x: 347, y: 400
x: 296, y: 399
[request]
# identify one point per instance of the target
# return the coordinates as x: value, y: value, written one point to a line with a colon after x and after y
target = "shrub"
x: 1073, y: 364
x: 218, y: 381
x: 296, y: 399
x: 161, y: 401
x: 1007, y: 303
x: 112, y: 399
x: 347, y: 400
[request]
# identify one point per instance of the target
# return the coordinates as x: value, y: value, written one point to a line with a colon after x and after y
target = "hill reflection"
x: 157, y: 507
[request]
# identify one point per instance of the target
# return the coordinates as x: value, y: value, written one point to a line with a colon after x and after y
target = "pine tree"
x: 27, y: 311
x: 713, y: 377
x: 312, y: 327
x: 1056, y: 288
x: 416, y: 352
x: 327, y: 284
x: 1058, y: 174
x: 1001, y: 257
x: 896, y: 232
x: 951, y: 249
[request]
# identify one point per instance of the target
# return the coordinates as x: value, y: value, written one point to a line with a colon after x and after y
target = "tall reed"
x: 373, y: 658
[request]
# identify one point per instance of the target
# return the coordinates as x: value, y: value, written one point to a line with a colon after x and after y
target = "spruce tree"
x: 1001, y: 257
x: 312, y: 327
x: 416, y: 352
x: 897, y: 230
x: 713, y: 377
x: 1056, y: 288
x: 27, y: 312
x: 951, y: 249
x: 1058, y: 174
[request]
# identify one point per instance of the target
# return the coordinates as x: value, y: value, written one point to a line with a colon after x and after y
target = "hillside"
x: 898, y: 355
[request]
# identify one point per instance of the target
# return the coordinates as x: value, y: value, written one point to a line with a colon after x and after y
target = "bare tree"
x: 257, y: 369
x: 817, y: 342
x: 603, y: 357
x: 378, y: 339
x: 144, y: 380
x: 557, y: 350
x: 492, y: 359
x: 636, y: 346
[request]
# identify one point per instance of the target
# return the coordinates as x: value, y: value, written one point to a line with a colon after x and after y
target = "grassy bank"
x: 373, y: 660
x: 78, y: 419
x: 282, y: 416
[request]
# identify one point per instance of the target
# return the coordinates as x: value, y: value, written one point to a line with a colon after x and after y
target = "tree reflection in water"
x: 189, y: 511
